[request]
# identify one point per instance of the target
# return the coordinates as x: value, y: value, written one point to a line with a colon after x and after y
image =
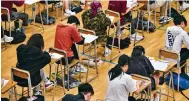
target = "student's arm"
x: 19, y: 2
x: 133, y: 85
x: 77, y: 37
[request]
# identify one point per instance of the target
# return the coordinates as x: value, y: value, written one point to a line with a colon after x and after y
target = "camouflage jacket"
x: 98, y: 24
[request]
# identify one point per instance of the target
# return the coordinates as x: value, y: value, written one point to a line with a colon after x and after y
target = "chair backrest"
x: 112, y: 13
x: 61, y: 52
x: 5, y: 11
x: 22, y: 74
x: 86, y: 31
x: 168, y: 54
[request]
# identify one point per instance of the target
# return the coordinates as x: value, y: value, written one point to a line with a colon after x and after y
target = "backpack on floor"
x: 76, y: 8
x: 124, y: 43
x: 174, y: 13
x: 143, y: 23
x: 39, y: 98
x: 44, y: 19
x: 18, y: 36
x: 184, y: 82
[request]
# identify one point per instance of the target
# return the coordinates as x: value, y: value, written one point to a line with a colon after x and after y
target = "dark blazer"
x: 31, y: 59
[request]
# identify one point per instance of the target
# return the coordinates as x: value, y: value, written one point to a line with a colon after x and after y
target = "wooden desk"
x: 144, y: 87
x: 8, y: 86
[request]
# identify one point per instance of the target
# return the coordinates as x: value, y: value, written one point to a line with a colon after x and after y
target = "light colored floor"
x: 152, y: 43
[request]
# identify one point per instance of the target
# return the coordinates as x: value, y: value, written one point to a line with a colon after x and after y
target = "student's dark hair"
x: 137, y: 51
x: 179, y: 19
x: 36, y: 40
x: 73, y: 19
x: 85, y: 87
x: 117, y: 70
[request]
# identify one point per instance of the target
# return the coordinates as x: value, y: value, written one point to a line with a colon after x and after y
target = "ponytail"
x: 115, y: 72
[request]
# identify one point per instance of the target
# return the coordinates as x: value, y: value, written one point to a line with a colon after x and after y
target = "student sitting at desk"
x: 85, y: 91
x: 140, y: 64
x: 32, y: 58
x: 95, y: 19
x: 173, y: 42
x: 13, y: 14
x: 66, y: 36
x: 125, y: 15
x: 121, y: 84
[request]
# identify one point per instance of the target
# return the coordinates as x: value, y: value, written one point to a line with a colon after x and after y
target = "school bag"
x: 76, y: 8
x: 18, y: 36
x: 124, y: 43
x: 183, y: 83
x: 51, y: 20
x: 143, y: 23
x: 174, y: 13
x: 39, y: 98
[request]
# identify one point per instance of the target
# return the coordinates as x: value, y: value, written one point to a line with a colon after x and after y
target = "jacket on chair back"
x: 98, y: 24
x: 31, y: 59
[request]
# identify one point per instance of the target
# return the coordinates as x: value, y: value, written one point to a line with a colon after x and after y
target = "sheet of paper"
x: 29, y: 2
x: 89, y: 38
x: 4, y: 82
x: 159, y: 65
x: 111, y: 18
x: 55, y: 55
x: 130, y: 2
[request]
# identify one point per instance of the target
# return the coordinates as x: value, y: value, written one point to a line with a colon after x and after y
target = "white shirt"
x: 119, y: 88
x: 183, y: 37
x: 171, y: 33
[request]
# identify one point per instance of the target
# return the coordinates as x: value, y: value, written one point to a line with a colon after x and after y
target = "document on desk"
x: 159, y: 65
x: 4, y: 82
x: 55, y: 55
x: 89, y: 38
x: 130, y: 2
x: 29, y: 2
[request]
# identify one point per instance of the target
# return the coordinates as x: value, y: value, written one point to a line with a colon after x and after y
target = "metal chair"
x: 66, y: 66
x: 24, y: 75
x: 9, y: 19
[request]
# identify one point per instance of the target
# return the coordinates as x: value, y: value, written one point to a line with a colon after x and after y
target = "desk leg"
x: 170, y: 82
x: 40, y: 16
x: 88, y: 63
x: 33, y: 15
x: 56, y: 65
x: 95, y: 57
x: 15, y: 92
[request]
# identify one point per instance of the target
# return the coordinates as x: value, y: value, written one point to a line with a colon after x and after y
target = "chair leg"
x: 49, y: 71
x: 63, y: 79
x: 10, y: 28
x: 22, y: 91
